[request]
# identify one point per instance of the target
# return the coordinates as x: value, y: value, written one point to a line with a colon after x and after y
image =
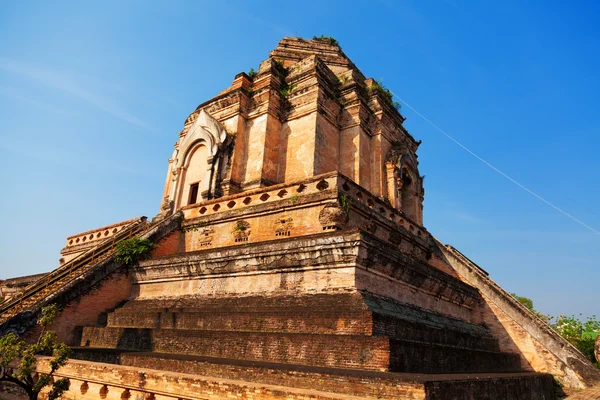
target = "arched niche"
x: 408, y: 194
x: 197, y: 164
x: 404, y: 184
x: 196, y: 169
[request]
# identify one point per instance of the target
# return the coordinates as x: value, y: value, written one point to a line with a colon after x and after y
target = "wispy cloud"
x: 54, y: 156
x: 18, y: 95
x: 64, y: 83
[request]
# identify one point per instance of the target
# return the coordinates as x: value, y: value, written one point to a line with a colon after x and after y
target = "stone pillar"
x: 103, y: 392
x: 399, y: 186
x: 392, y: 193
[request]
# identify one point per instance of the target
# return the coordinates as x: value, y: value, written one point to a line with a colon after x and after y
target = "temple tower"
x: 290, y: 261
x: 308, y: 110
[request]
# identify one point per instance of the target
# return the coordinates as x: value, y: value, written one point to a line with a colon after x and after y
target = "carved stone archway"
x: 207, y: 135
x: 404, y: 184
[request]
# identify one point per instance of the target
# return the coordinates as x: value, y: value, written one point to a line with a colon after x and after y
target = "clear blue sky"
x: 93, y: 94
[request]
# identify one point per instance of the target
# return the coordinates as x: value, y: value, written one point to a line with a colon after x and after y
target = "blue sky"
x: 93, y: 94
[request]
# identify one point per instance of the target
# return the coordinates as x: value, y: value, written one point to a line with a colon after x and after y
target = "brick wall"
x: 86, y: 309
x: 170, y: 245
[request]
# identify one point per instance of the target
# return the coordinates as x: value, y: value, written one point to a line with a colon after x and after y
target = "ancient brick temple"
x: 291, y: 262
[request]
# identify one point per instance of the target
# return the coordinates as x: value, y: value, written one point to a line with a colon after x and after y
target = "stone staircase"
x: 19, y: 312
x: 348, y: 340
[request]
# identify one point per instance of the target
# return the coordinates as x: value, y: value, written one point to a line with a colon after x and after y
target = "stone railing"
x: 97, y: 234
x: 348, y: 188
x: 295, y: 190
x: 270, y: 194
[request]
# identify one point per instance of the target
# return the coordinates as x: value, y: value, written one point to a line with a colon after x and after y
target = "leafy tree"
x: 18, y: 359
x: 581, y: 334
x: 527, y: 302
x: 132, y: 250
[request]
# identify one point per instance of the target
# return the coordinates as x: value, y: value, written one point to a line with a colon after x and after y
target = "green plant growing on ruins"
x: 18, y: 360
x: 329, y: 39
x: 294, y: 198
x: 239, y: 227
x: 252, y: 73
x: 286, y: 89
x: 280, y: 67
x: 378, y: 87
x: 344, y: 204
x: 132, y: 250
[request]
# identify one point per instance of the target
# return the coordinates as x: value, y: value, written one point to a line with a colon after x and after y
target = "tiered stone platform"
x: 344, y: 344
x: 344, y: 330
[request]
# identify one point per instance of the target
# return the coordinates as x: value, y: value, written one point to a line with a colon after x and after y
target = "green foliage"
x: 286, y: 90
x: 252, y: 73
x: 527, y: 302
x: 581, y: 334
x: 329, y: 39
x: 378, y: 87
x: 240, y: 226
x: 195, y: 227
x: 280, y: 67
x: 132, y: 250
x: 344, y: 203
x: 15, y: 351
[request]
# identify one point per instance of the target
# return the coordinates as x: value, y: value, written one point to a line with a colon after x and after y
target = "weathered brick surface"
x: 539, y: 387
x: 422, y: 357
x: 343, y: 350
x: 440, y: 334
x: 587, y: 394
x: 269, y: 329
x: 354, y: 383
x: 87, y: 309
x: 210, y: 380
x: 170, y: 245
x: 182, y: 385
x: 291, y: 321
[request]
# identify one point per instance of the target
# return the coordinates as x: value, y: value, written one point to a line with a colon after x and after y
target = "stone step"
x: 347, y: 351
x: 290, y: 322
x: 342, y: 301
x: 401, y: 329
x: 301, y: 321
x: 358, y: 383
x: 412, y: 356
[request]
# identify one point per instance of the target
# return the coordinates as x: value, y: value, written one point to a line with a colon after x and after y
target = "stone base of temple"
x: 320, y: 346
x: 163, y: 376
